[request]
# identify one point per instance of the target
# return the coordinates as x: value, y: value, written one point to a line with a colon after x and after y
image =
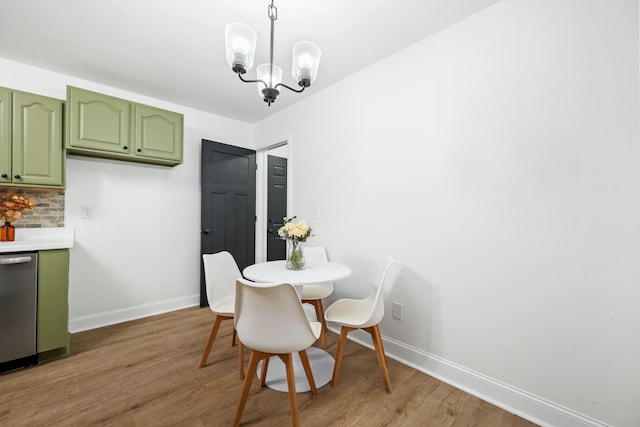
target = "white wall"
x: 499, y: 162
x: 140, y: 253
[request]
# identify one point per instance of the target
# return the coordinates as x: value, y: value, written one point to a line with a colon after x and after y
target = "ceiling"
x: 174, y: 49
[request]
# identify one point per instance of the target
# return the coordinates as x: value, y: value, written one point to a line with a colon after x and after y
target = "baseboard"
x: 509, y: 398
x: 106, y: 318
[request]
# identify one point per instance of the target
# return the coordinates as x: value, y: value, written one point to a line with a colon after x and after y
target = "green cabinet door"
x: 5, y: 135
x: 37, y: 140
x: 97, y: 122
x: 53, y: 305
x: 158, y: 133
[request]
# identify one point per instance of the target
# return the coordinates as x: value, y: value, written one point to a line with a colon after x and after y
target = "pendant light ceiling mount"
x: 240, y: 48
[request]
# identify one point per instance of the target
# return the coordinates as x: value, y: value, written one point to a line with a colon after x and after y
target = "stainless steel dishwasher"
x: 18, y: 306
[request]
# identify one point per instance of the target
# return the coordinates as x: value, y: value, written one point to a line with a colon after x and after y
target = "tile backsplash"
x: 49, y: 210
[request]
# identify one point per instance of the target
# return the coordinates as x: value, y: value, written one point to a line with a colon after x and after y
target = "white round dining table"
x: 321, y: 361
x: 276, y: 271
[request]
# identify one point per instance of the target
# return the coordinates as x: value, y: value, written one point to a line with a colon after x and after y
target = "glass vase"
x: 7, y: 232
x: 295, y: 255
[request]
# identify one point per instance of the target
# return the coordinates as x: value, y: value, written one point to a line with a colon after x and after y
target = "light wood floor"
x: 145, y: 373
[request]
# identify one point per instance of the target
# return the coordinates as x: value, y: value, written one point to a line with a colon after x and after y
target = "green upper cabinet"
x: 97, y: 122
x: 158, y: 133
x: 31, y: 146
x: 103, y: 126
x: 5, y: 135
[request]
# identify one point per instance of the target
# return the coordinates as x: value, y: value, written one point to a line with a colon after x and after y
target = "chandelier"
x: 240, y: 49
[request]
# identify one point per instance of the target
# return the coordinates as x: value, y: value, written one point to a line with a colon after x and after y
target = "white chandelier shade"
x: 263, y: 71
x: 240, y: 45
x: 306, y: 60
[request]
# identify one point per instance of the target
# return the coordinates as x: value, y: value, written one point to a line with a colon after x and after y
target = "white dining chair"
x: 220, y: 275
x: 365, y: 314
x: 314, y: 293
x: 270, y: 320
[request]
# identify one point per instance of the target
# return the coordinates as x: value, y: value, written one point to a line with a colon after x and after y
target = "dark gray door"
x: 276, y: 206
x: 228, y: 186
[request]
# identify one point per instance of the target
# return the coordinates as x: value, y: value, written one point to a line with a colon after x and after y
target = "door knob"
x: 17, y: 177
x: 4, y: 175
x: 270, y: 231
x: 206, y: 230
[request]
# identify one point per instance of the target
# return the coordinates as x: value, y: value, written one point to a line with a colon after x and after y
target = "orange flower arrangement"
x: 12, y: 206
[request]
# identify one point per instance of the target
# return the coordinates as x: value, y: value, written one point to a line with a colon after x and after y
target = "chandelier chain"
x: 272, y: 12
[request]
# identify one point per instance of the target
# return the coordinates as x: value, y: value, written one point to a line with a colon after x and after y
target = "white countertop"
x: 40, y: 239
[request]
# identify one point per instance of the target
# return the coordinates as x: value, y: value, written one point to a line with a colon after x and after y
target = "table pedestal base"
x: 321, y: 365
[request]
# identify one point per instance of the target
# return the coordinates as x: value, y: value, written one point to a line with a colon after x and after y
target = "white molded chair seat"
x: 220, y: 275
x: 366, y: 314
x: 314, y: 293
x: 355, y: 313
x: 270, y: 320
x: 225, y: 307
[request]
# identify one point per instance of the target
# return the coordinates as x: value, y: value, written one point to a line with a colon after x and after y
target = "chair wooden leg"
x: 336, y: 367
x: 320, y: 316
x: 307, y: 370
x: 377, y: 344
x: 291, y: 385
x: 255, y: 357
x: 212, y: 337
x: 263, y: 372
x: 317, y: 304
x: 233, y: 337
x: 240, y: 358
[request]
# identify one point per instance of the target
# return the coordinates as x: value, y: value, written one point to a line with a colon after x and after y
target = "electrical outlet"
x: 396, y: 311
x: 87, y: 212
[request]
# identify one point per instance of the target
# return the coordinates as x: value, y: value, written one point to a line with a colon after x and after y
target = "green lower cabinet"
x: 53, y: 304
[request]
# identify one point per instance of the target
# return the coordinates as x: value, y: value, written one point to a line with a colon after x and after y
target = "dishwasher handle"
x: 16, y: 260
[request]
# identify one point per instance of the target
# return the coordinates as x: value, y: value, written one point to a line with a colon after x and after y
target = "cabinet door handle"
x: 17, y: 177
x: 125, y: 148
x: 139, y: 150
x: 4, y: 175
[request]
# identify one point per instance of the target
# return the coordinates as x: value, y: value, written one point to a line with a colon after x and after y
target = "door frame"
x: 262, y: 190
